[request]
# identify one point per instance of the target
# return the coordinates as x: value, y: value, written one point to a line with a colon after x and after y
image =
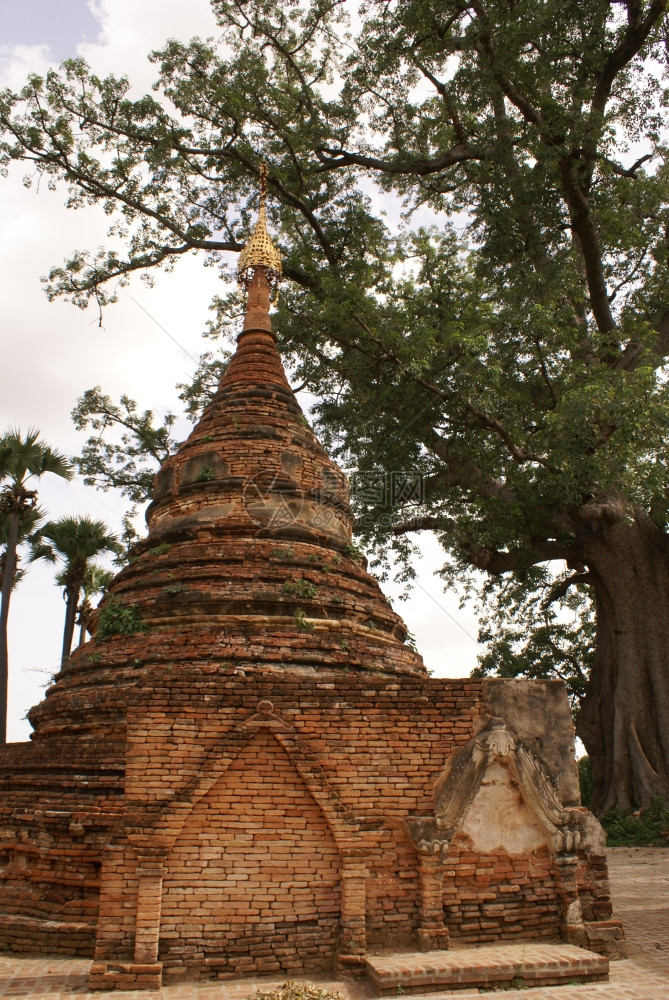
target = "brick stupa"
x: 248, y: 771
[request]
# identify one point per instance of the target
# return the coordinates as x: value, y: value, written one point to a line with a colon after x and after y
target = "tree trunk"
x: 85, y: 612
x: 71, y: 601
x: 7, y: 585
x: 624, y: 720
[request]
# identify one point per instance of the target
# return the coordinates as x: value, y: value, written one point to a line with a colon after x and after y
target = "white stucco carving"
x: 498, y: 818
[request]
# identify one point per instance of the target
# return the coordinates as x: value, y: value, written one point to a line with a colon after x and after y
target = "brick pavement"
x: 640, y: 884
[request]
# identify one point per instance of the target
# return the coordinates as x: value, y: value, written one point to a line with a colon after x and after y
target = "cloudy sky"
x: 149, y: 341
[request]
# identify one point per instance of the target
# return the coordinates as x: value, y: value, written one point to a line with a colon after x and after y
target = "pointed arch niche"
x: 261, y: 867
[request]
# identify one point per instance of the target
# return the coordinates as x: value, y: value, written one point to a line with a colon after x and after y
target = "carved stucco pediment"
x: 565, y: 829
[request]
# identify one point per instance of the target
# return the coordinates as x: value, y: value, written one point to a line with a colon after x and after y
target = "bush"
x: 643, y: 828
x: 119, y: 619
x: 628, y: 827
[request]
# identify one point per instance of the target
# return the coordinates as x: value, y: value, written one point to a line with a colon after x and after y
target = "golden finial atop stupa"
x: 260, y: 251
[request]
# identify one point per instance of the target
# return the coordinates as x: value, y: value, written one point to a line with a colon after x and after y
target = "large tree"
x: 75, y: 542
x: 512, y: 351
x: 23, y: 460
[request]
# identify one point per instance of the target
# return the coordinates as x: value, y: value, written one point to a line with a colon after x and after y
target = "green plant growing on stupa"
x: 283, y: 553
x: 410, y: 641
x: 159, y: 550
x: 117, y: 618
x: 301, y: 588
x: 301, y: 620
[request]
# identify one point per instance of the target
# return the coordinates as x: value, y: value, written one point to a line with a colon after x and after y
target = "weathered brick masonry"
x: 264, y: 778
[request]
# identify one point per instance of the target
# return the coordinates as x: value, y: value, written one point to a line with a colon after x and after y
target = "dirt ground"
x: 639, y: 879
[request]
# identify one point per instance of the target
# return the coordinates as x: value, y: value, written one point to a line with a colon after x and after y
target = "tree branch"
x: 638, y: 30
x: 586, y: 233
x: 617, y: 168
x: 519, y: 100
x: 516, y: 560
x: 420, y: 524
x: 518, y: 454
x: 334, y: 158
x: 633, y: 354
x: 562, y: 587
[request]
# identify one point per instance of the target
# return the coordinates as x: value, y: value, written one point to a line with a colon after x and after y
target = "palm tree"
x: 97, y: 580
x: 74, y: 541
x: 30, y: 522
x: 22, y: 459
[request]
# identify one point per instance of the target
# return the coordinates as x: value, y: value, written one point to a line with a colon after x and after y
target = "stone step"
x: 513, y: 965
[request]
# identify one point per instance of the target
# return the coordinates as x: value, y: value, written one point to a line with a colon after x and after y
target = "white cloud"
x: 130, y: 30
x: 18, y: 61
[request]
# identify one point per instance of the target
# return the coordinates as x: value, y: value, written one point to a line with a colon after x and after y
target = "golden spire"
x: 260, y: 251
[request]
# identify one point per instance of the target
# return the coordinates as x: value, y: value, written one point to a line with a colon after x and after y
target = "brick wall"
x: 58, y: 806
x: 499, y: 897
x: 253, y: 879
x: 372, y: 749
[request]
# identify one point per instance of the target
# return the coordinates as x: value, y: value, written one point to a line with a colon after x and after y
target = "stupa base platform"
x: 19, y: 933
x: 126, y: 976
x: 485, y: 966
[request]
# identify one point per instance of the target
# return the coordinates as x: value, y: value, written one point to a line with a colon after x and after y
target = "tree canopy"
x: 502, y: 331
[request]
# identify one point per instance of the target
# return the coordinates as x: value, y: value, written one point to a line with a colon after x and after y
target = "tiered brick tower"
x: 247, y: 770
x: 248, y: 563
